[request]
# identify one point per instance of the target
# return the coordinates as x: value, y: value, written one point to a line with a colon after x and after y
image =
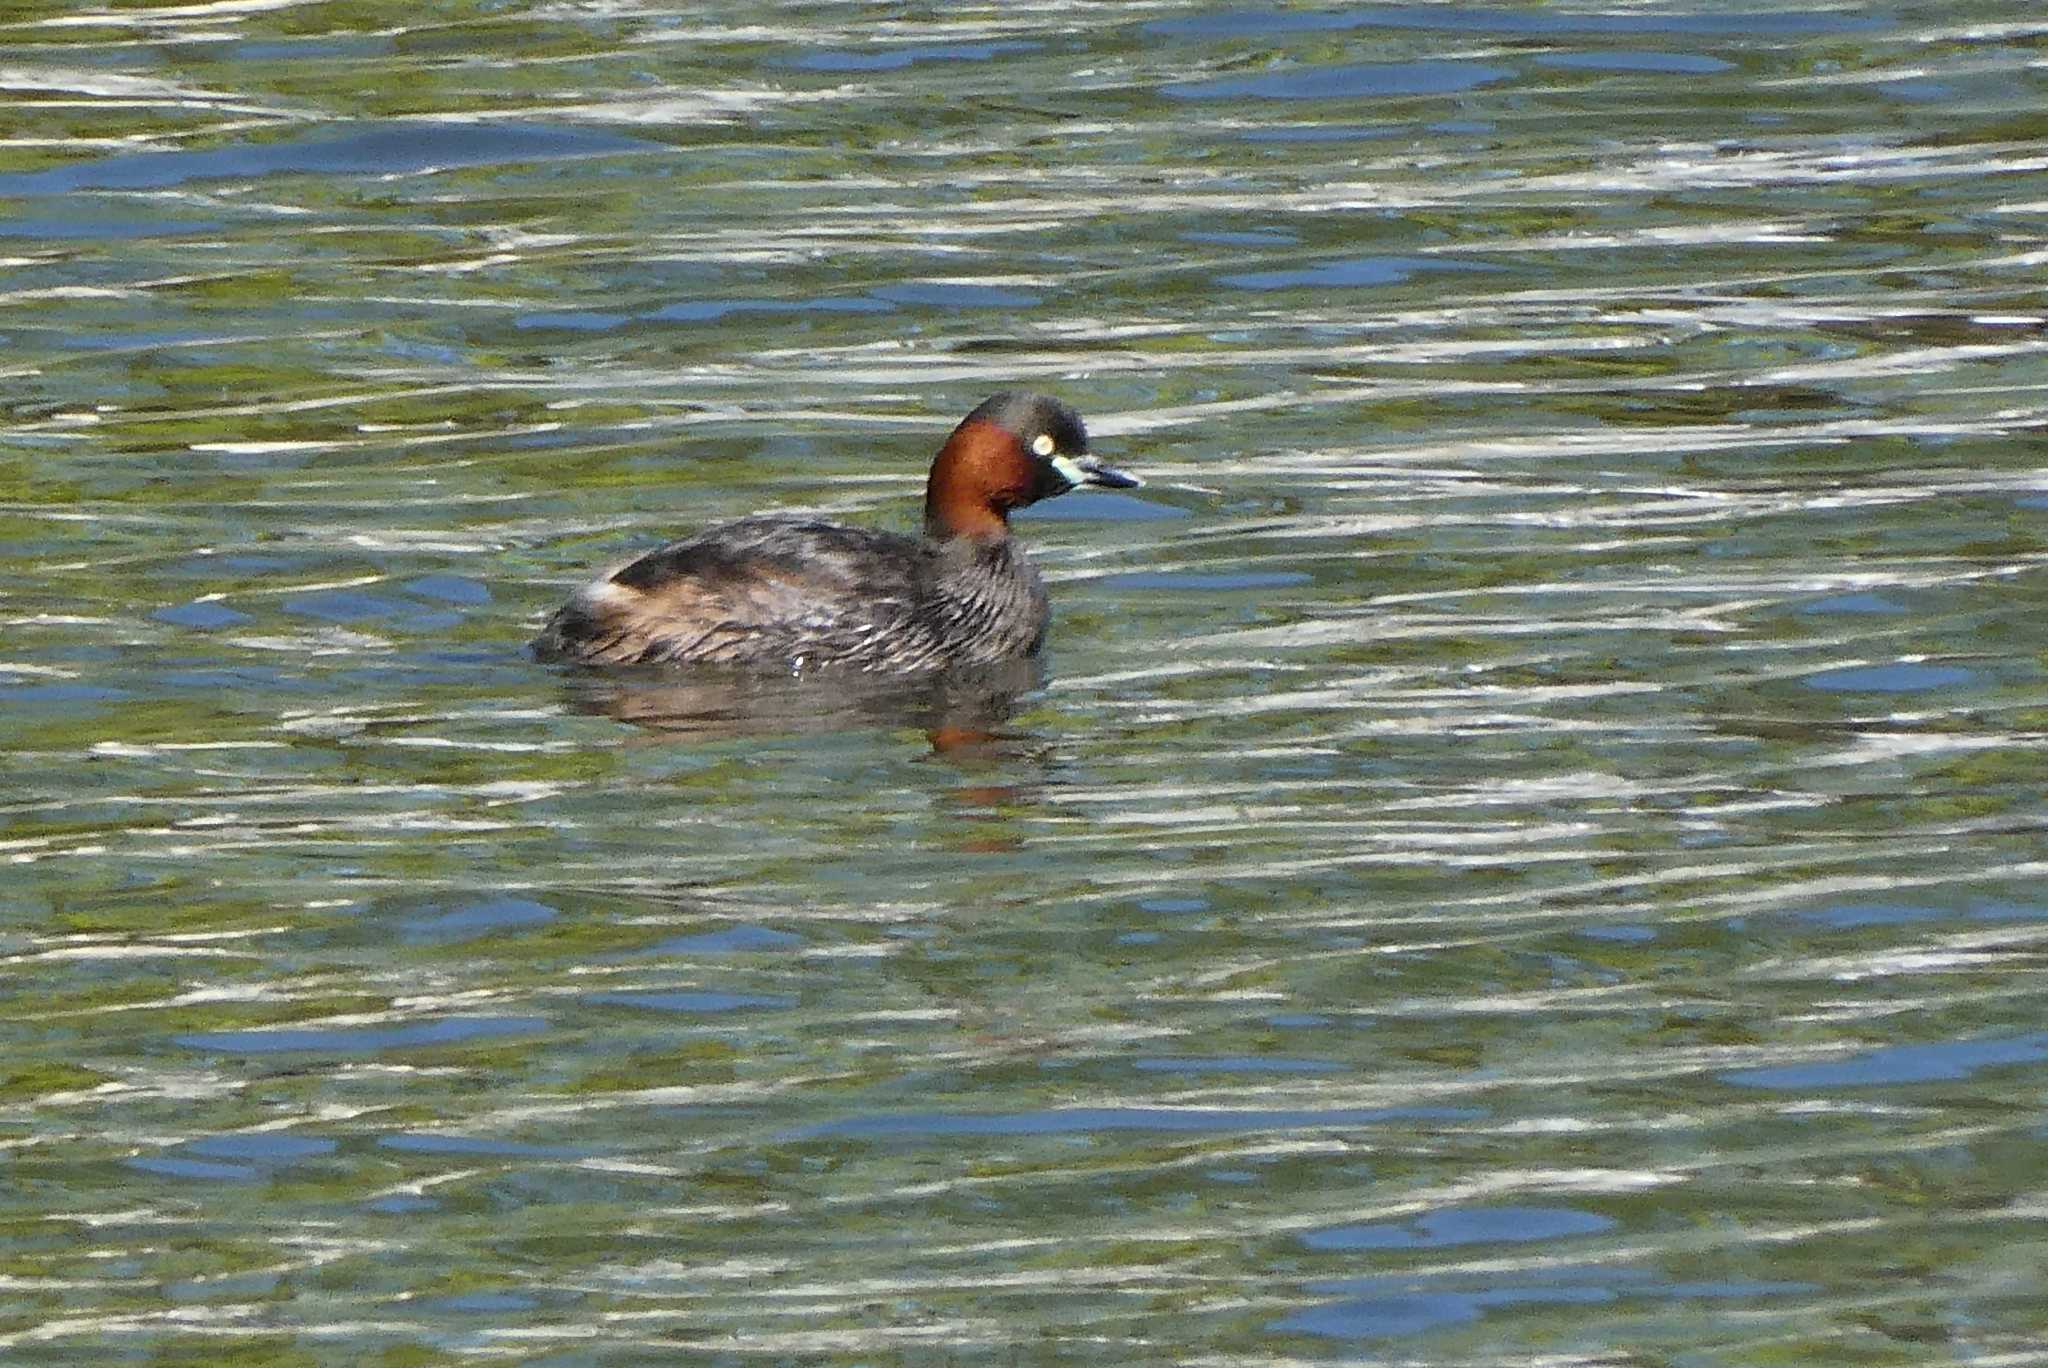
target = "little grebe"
x: 796, y: 592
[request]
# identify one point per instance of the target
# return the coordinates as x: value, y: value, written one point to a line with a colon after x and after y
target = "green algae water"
x: 1527, y: 845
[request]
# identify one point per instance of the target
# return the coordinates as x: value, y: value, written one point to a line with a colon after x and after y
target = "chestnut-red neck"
x: 979, y: 476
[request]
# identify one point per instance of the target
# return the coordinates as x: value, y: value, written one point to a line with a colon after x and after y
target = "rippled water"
x: 1527, y: 845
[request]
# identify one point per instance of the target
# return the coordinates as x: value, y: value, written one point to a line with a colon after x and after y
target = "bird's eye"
x: 1043, y: 444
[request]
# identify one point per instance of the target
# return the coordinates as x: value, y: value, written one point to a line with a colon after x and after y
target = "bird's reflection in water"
x: 962, y: 712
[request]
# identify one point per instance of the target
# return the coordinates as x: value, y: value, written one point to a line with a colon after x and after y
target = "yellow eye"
x: 1043, y: 444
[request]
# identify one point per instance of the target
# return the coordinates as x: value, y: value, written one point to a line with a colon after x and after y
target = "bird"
x: 798, y: 593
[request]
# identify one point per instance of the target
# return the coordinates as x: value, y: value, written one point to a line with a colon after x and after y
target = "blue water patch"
x: 269, y: 1147
x: 347, y: 605
x: 1942, y: 1062
x: 1173, y: 907
x: 481, y: 918
x: 1317, y: 133
x: 1354, y: 271
x: 285, y: 50
x: 481, y: 1303
x: 358, y: 1040
x: 729, y: 940
x: 411, y: 1143
x: 1236, y: 1064
x: 421, y: 351
x: 1899, y: 678
x: 694, y: 1001
x: 59, y: 693
x: 204, y: 615
x: 1245, y: 579
x: 1476, y: 19
x: 103, y: 229
x: 1393, y: 1307
x: 575, y: 321
x: 1139, y: 938
x: 548, y: 441
x: 243, y: 563
x: 943, y: 294
x: 403, y: 1204
x: 449, y: 589
x: 897, y: 58
x: 1262, y: 238
x: 1299, y: 1021
x: 1362, y: 81
x: 1852, y: 916
x: 711, y: 310
x: 1394, y: 1317
x: 1853, y: 603
x: 1461, y: 1226
x: 139, y: 339
x: 1092, y: 1120
x: 165, y: 1166
x: 397, y: 147
x: 1670, y: 63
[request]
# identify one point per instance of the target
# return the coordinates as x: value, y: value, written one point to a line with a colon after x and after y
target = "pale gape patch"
x: 1070, y: 470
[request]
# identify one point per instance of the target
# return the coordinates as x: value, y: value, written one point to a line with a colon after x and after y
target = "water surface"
x: 1527, y: 843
